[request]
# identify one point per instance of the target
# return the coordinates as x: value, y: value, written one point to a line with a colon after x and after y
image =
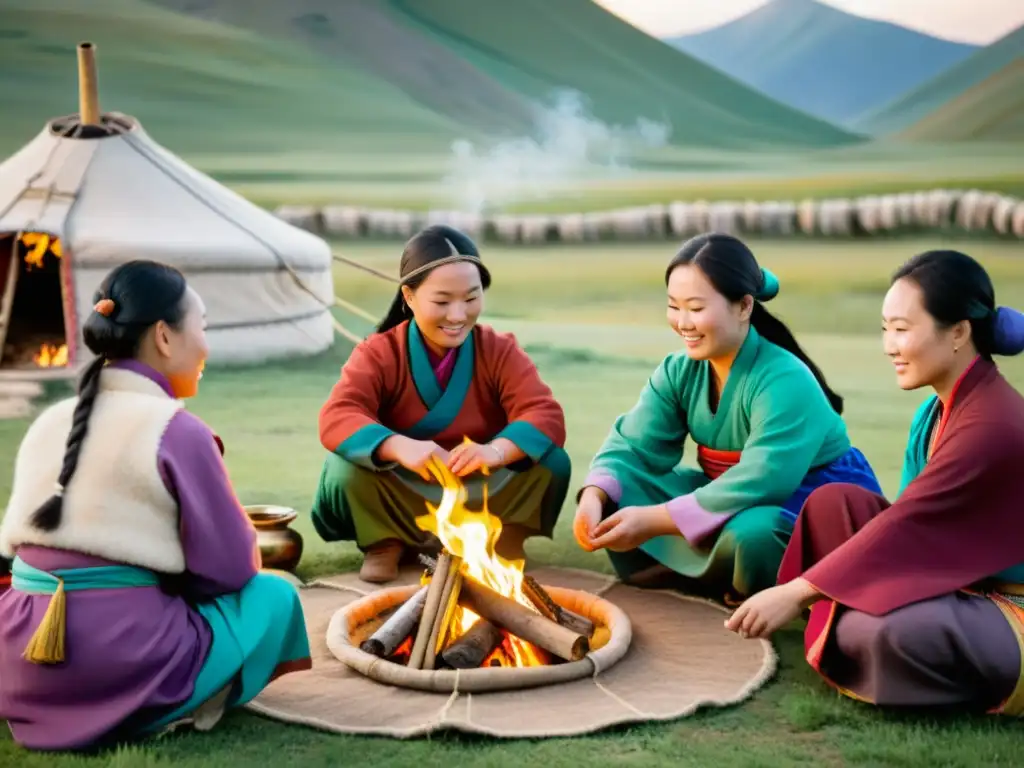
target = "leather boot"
x: 380, y: 563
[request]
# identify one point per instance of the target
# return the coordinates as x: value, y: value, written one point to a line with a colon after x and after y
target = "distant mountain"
x: 825, y: 62
x: 978, y: 97
x: 485, y: 62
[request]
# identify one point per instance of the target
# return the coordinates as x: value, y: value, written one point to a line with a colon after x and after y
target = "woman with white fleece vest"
x: 136, y: 601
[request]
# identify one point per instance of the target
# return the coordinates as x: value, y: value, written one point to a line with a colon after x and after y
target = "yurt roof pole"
x: 88, y: 85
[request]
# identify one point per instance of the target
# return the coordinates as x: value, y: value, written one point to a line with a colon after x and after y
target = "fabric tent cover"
x: 680, y: 659
x: 122, y: 197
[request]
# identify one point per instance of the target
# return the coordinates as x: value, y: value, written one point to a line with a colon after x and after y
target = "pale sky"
x: 969, y: 21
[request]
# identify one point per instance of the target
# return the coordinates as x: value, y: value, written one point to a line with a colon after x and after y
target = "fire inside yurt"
x: 33, y: 320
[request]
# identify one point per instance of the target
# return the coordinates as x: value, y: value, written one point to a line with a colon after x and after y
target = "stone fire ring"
x: 355, y: 622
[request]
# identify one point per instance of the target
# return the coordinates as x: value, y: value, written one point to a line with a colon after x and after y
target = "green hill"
x: 941, y: 91
x: 360, y: 34
x: 196, y: 85
x: 498, y: 57
x: 992, y: 110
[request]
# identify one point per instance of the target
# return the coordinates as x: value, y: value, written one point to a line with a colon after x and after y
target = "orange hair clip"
x: 105, y: 307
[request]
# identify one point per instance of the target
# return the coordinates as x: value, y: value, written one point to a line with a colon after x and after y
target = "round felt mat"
x: 681, y: 658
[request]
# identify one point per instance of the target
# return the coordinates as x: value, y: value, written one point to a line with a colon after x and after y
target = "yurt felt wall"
x: 267, y: 285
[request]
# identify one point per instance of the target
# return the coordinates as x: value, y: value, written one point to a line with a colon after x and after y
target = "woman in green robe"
x: 768, y: 431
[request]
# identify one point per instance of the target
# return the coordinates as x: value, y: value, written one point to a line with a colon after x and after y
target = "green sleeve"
x: 789, y: 420
x: 530, y: 440
x: 915, y: 456
x: 650, y: 436
x: 360, y: 447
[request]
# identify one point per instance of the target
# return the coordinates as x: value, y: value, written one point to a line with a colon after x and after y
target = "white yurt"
x: 109, y: 193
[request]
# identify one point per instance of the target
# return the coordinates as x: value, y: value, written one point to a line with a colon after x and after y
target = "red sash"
x: 714, y: 463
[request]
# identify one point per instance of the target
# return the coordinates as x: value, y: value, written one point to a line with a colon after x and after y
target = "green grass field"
x: 593, y: 320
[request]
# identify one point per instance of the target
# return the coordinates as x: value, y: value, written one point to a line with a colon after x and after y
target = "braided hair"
x: 130, y: 300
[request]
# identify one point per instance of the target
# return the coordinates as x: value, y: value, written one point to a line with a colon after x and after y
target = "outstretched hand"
x: 766, y: 612
x: 588, y: 516
x: 630, y: 527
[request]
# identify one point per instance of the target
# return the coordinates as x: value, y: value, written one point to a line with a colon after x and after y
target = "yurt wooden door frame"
x: 12, y: 256
x: 8, y: 285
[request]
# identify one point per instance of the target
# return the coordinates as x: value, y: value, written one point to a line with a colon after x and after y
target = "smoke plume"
x: 568, y: 145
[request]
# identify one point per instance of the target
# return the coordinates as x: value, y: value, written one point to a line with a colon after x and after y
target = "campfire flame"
x: 52, y: 356
x: 39, y: 244
x: 472, y: 535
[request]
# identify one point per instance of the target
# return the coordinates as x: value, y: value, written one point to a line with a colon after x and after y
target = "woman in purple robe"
x: 921, y: 602
x: 136, y: 601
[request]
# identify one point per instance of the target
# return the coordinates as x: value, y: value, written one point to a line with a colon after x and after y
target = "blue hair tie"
x: 769, y: 286
x: 1008, y: 332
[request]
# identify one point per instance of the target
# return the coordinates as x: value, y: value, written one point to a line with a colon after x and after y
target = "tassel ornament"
x: 46, y: 646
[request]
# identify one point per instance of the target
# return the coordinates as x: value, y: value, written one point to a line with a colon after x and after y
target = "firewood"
x: 544, y: 603
x: 470, y: 650
x: 552, y: 610
x: 445, y: 612
x: 522, y: 622
x: 431, y: 605
x: 393, y: 632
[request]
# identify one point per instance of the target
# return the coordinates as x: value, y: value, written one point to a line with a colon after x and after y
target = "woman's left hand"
x: 632, y: 526
x: 470, y: 457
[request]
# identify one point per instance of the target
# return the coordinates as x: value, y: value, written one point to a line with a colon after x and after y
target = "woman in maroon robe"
x: 917, y: 602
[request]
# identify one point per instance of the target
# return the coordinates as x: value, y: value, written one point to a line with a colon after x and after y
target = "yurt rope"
x: 364, y: 268
x: 370, y: 270
x: 340, y: 329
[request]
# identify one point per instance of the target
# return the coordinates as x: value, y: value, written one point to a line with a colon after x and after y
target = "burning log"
x: 470, y: 650
x: 446, y: 610
x: 575, y: 622
x: 393, y: 632
x: 432, y: 604
x: 522, y: 622
x: 552, y: 610
x: 542, y: 601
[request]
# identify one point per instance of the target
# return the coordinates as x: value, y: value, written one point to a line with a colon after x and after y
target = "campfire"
x: 474, y: 608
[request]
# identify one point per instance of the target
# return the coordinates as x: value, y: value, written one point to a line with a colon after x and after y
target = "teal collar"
x: 442, y: 406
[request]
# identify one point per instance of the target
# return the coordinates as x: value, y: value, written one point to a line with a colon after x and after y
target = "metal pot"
x: 280, y: 546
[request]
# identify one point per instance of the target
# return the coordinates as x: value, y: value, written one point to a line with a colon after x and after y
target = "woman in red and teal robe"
x: 433, y: 382
x: 921, y: 602
x: 768, y: 431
